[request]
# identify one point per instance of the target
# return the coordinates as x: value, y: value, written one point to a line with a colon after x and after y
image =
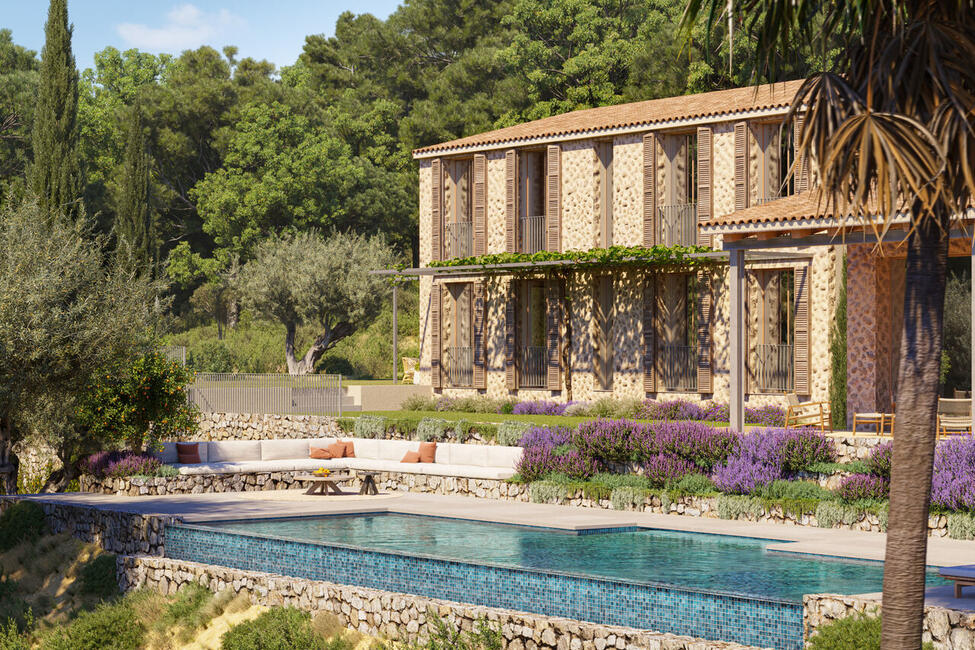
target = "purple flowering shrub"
x: 574, y: 464
x: 546, y: 437
x: 117, y: 464
x: 862, y: 486
x: 664, y: 469
x: 540, y: 407
x: 769, y: 415
x: 803, y: 447
x: 755, y: 463
x: 953, y: 483
x: 607, y: 441
x: 879, y: 461
x: 682, y: 409
x: 694, y: 442
x: 536, y: 462
x: 545, y: 452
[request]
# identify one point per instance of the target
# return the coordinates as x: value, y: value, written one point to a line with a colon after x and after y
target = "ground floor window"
x: 457, y: 335
x: 603, y: 315
x: 532, y: 335
x: 771, y: 330
x: 677, y: 351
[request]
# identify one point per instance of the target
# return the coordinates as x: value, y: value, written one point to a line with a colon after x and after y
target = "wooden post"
x: 395, y: 333
x: 736, y: 335
x: 971, y: 383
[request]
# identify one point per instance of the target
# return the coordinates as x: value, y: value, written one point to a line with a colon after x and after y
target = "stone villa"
x: 708, y: 170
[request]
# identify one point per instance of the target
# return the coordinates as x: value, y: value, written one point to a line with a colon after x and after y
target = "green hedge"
x: 419, y: 427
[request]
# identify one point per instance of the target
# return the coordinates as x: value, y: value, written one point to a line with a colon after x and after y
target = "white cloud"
x: 186, y: 27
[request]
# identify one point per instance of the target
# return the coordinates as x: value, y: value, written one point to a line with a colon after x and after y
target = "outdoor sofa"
x: 259, y: 456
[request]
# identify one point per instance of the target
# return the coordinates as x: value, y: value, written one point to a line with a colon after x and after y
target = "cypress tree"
x: 132, y: 216
x: 55, y: 175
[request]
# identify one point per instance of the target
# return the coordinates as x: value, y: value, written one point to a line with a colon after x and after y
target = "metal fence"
x: 677, y: 224
x: 175, y: 353
x: 458, y: 239
x: 678, y: 367
x: 532, y: 234
x: 275, y: 394
x: 533, y: 366
x: 459, y: 365
x: 774, y: 371
x: 762, y: 200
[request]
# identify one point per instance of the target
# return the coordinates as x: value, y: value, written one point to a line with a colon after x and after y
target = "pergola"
x: 801, y: 221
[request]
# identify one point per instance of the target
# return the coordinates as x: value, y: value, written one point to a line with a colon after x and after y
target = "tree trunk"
x: 321, y: 345
x: 9, y: 464
x: 915, y: 433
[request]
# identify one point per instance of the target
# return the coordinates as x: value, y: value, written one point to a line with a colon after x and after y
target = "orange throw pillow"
x: 337, y: 449
x: 411, y: 457
x: 428, y: 452
x: 320, y: 453
x: 349, y: 449
x: 188, y: 453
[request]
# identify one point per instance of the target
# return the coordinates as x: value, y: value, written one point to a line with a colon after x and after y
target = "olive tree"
x: 66, y: 311
x: 306, y: 278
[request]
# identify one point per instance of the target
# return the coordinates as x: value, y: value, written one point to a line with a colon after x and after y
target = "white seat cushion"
x: 366, y: 447
x: 506, y: 457
x: 233, y: 450
x: 168, y: 454
x: 206, y: 468
x: 321, y: 443
x: 443, y: 452
x: 396, y: 449
x: 284, y: 449
x: 466, y: 455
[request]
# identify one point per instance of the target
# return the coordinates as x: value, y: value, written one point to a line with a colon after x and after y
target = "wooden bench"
x: 962, y: 576
x: 808, y: 414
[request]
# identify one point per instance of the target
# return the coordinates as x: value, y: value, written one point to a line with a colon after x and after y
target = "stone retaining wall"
x: 850, y: 448
x: 394, y: 615
x: 948, y: 629
x: 262, y: 426
x: 115, y: 531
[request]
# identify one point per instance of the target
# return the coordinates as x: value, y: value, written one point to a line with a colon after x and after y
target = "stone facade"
x: 947, y: 629
x: 580, y: 179
x: 262, y: 426
x: 403, y: 617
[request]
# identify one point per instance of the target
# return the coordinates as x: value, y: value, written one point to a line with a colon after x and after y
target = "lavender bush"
x: 693, y: 441
x: 536, y: 462
x: 550, y: 437
x: 953, y: 483
x: 863, y: 486
x: 574, y: 464
x: 540, y: 407
x: 664, y: 469
x: 117, y: 464
x: 607, y: 441
x: 879, y: 461
x: 769, y: 415
x: 755, y: 463
x: 803, y: 447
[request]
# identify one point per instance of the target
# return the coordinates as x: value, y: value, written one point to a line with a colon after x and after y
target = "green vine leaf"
x: 613, y: 256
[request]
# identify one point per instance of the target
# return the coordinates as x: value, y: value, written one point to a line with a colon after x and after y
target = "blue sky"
x: 273, y: 30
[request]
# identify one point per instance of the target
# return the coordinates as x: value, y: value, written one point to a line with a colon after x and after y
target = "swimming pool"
x: 711, y: 586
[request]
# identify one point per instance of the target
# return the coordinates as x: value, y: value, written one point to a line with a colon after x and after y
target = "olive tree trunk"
x: 915, y: 433
x: 8, y: 460
x: 322, y: 343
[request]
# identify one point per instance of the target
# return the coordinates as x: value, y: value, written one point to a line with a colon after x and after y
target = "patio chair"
x: 954, y: 417
x: 807, y: 414
x: 410, y: 365
x: 876, y: 420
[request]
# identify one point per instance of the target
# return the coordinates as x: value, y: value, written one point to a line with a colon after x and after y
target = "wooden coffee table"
x: 368, y: 482
x: 324, y: 484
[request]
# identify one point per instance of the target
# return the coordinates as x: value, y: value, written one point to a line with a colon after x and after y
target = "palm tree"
x: 887, y: 130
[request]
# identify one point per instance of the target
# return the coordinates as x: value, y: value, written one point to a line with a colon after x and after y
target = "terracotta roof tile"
x: 649, y: 112
x: 805, y: 207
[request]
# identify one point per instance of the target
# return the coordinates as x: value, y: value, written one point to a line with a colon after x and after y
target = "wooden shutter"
x: 435, y: 331
x: 801, y: 163
x: 479, y: 338
x: 553, y: 334
x: 649, y: 189
x: 800, y: 340
x: 553, y: 198
x: 510, y: 338
x: 510, y: 200
x: 703, y: 181
x: 480, y: 204
x: 436, y: 210
x: 705, y: 309
x: 650, y: 334
x: 741, y: 165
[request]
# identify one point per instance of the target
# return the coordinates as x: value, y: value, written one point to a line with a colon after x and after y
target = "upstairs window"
x: 531, y: 201
x: 604, y: 194
x: 677, y: 189
x: 457, y: 202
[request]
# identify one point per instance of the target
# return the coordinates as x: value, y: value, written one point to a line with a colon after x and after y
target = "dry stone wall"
x: 395, y: 615
x: 261, y: 426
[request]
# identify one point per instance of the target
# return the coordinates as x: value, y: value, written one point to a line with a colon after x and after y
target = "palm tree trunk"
x: 915, y: 433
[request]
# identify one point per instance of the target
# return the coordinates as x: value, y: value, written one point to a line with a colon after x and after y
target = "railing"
x: 678, y: 367
x: 774, y: 371
x: 175, y: 353
x: 275, y: 394
x: 532, y: 369
x: 677, y: 224
x: 531, y: 234
x: 458, y: 365
x: 458, y: 239
x: 762, y: 200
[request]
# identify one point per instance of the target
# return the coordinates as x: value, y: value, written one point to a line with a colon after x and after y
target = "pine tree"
x: 55, y: 175
x: 133, y: 225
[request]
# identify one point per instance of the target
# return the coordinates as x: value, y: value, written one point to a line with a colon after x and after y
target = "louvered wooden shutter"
x: 703, y: 181
x: 435, y: 344
x: 649, y: 189
x: 800, y: 338
x: 553, y: 322
x: 650, y: 334
x: 801, y: 162
x: 480, y: 204
x: 480, y: 352
x: 510, y: 338
x: 705, y: 310
x: 510, y: 200
x: 436, y: 210
x: 741, y: 166
x: 553, y: 198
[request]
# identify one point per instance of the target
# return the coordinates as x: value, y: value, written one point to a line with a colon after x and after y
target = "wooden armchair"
x: 954, y: 417
x: 807, y: 414
x: 410, y: 364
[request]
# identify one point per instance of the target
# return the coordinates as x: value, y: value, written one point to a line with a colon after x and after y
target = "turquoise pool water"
x: 719, y: 563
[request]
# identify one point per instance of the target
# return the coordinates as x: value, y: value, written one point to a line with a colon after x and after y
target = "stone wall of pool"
x: 765, y: 622
x: 394, y: 615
